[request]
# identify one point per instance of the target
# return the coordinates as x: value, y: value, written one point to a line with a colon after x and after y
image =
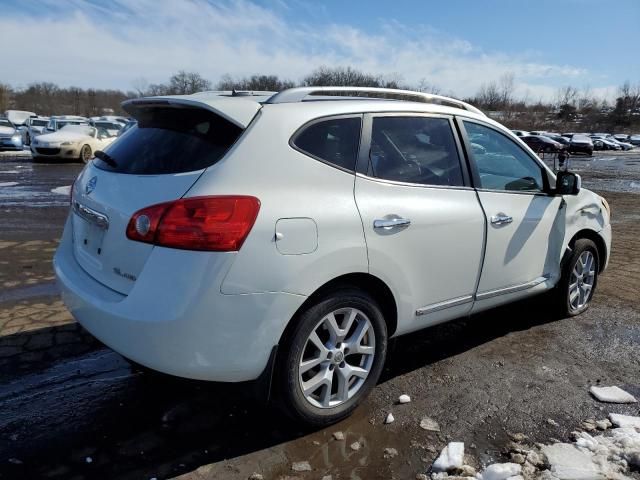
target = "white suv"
x: 235, y: 237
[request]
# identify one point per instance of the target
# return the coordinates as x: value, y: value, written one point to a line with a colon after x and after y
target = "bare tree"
x: 5, y: 96
x: 140, y: 85
x: 425, y: 86
x: 270, y: 83
x: 186, y: 83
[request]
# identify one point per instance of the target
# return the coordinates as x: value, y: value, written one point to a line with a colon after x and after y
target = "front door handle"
x: 389, y: 223
x: 501, y: 219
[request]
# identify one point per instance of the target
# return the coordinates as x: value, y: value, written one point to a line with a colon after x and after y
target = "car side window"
x: 415, y: 150
x: 501, y: 163
x: 334, y: 141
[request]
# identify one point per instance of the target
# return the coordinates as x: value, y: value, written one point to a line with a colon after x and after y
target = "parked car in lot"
x: 621, y: 137
x: 33, y: 127
x: 111, y: 118
x: 10, y: 137
x: 289, y: 236
x: 72, y: 142
x: 559, y: 138
x: 634, y: 140
x: 601, y: 143
x: 520, y: 133
x: 112, y: 127
x: 581, y: 144
x: 539, y: 143
x: 57, y: 122
x: 127, y: 126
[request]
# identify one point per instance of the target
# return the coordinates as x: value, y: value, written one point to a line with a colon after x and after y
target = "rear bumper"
x: 175, y: 320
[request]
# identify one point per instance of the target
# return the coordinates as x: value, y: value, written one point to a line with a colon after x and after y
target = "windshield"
x: 82, y: 129
x: 5, y: 123
x: 108, y: 125
x: 39, y: 123
x: 68, y: 122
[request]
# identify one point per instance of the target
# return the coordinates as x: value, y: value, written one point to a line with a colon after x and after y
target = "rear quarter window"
x: 334, y: 141
x: 171, y: 140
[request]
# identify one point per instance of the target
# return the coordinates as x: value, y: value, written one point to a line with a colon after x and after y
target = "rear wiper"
x: 106, y: 158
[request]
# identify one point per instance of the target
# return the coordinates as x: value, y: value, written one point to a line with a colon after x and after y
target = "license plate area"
x: 89, y: 229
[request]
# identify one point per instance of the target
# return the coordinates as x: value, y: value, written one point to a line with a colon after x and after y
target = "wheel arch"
x: 365, y: 281
x: 595, y: 238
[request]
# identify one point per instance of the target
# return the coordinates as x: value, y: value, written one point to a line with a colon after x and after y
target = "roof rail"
x: 299, y: 94
x: 236, y: 93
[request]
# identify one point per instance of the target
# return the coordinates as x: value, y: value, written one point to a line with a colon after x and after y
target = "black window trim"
x: 310, y: 123
x: 365, y: 149
x: 475, y: 176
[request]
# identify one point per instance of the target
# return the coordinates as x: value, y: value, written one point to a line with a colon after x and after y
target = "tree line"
x: 571, y: 109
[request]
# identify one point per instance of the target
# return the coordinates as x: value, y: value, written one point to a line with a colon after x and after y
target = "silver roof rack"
x: 236, y: 93
x: 299, y: 94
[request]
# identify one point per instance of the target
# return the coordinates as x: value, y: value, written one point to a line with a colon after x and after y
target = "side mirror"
x: 568, y: 183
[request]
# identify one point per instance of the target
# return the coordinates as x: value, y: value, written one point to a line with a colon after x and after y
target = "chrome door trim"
x: 512, y: 288
x: 436, y: 307
x: 91, y: 216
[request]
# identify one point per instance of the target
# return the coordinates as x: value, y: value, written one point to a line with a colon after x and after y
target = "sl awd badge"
x: 91, y: 185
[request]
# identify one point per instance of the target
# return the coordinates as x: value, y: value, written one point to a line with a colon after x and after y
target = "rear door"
x: 423, y: 223
x: 156, y: 161
x: 525, y: 224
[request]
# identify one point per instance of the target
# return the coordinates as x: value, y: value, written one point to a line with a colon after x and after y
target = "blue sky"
x: 456, y: 45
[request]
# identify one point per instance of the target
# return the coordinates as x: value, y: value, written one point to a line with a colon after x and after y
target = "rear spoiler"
x: 237, y: 110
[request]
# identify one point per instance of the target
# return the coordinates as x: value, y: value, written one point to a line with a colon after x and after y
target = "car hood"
x: 7, y: 131
x: 62, y: 137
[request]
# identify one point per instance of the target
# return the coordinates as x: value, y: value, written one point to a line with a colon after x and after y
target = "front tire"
x: 579, y: 279
x: 332, y: 357
x: 85, y: 153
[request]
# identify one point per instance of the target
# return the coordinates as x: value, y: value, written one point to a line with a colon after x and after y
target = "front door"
x: 525, y: 224
x: 423, y: 224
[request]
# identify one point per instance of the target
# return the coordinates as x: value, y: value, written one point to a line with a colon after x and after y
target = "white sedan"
x: 74, y: 142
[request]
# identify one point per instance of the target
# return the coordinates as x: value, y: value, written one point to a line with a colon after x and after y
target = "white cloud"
x: 110, y: 45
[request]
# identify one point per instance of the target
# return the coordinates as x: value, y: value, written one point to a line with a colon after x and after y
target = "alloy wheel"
x: 582, y: 280
x: 337, y: 358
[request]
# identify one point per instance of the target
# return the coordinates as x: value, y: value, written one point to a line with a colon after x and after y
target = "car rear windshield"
x: 170, y: 140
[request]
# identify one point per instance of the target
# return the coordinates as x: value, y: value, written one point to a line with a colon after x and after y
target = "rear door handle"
x: 389, y: 223
x: 501, y: 219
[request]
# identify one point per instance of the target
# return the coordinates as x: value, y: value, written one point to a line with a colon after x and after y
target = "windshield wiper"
x: 106, y: 158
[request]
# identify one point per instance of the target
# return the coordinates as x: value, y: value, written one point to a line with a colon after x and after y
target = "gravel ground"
x: 70, y: 408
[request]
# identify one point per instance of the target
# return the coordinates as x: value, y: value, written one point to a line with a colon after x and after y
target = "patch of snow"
x: 66, y: 190
x: 612, y: 395
x: 390, y: 452
x: 390, y: 418
x: 338, y: 435
x: 452, y: 456
x: 10, y: 171
x: 501, y: 471
x: 624, y: 420
x: 594, y: 458
x: 404, y: 399
x: 301, y: 466
x: 355, y: 446
x: 8, y: 184
x: 429, y: 424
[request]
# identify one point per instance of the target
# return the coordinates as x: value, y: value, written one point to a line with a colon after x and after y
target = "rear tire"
x: 332, y: 357
x: 579, y: 279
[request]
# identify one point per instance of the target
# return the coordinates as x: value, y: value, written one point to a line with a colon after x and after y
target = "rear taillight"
x: 200, y: 223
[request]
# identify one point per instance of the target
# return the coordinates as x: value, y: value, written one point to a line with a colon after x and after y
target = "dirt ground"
x: 71, y: 408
